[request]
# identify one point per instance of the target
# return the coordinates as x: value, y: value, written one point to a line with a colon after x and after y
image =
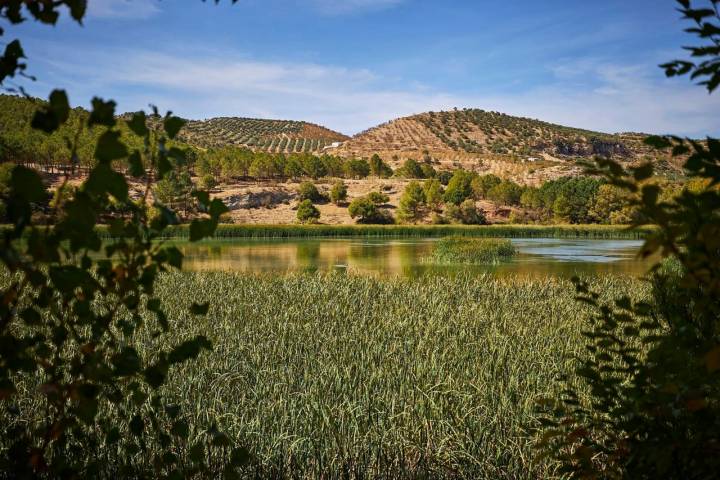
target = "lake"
x: 407, y: 257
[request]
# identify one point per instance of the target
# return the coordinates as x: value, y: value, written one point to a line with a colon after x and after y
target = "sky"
x: 352, y: 64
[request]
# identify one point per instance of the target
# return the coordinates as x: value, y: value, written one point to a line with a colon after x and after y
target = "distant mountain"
x: 277, y: 136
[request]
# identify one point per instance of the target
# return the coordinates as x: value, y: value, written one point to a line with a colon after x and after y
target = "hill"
x: 275, y: 136
x: 523, y: 148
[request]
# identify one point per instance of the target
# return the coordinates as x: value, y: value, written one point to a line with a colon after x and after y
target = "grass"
x: 353, y: 377
x: 506, y: 231
x: 466, y: 250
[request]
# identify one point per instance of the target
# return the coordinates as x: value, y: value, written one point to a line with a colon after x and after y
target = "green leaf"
x: 200, y: 229
x: 26, y: 185
x: 643, y: 172
x: 173, y: 125
x: 103, y: 179
x: 103, y: 113
x: 189, y: 349
x: 138, y: 124
x: 49, y: 118
x: 199, y: 309
x: 77, y: 9
x: 136, y: 168
x: 657, y: 142
x: 137, y: 425
x: 126, y: 362
x: 109, y: 147
x: 163, y: 167
x: 180, y: 429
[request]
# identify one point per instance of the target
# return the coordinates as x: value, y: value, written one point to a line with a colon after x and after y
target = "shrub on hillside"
x: 466, y: 213
x: 307, y: 212
x: 378, y: 198
x: 367, y: 211
x: 207, y: 182
x: 308, y: 191
x: 338, y: 193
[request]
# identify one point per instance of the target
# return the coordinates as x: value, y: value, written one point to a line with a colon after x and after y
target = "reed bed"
x: 504, y: 231
x: 473, y: 251
x: 352, y: 377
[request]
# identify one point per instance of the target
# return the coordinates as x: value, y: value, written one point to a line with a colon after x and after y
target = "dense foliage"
x: 646, y: 400
x: 78, y: 397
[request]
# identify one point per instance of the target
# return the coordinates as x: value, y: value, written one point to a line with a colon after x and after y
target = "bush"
x: 444, y: 177
x: 472, y: 250
x: 367, y: 211
x: 378, y: 198
x: 307, y: 212
x: 411, y: 169
x: 208, y: 182
x: 308, y: 191
x: 338, y: 193
x: 467, y: 213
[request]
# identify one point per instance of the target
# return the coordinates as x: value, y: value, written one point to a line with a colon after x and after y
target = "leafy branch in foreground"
x: 75, y: 309
x: 646, y: 399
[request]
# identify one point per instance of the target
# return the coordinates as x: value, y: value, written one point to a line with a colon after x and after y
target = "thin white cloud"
x: 123, y: 9
x: 592, y: 95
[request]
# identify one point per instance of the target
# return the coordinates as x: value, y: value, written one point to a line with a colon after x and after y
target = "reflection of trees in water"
x: 389, y: 258
x: 307, y: 256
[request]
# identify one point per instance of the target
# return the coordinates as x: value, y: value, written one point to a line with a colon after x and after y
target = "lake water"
x: 408, y: 257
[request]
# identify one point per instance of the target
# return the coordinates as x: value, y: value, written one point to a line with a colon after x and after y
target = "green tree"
x: 308, y: 191
x: 313, y: 166
x: 175, y: 190
x: 459, y: 188
x: 339, y: 192
x: 357, y: 168
x: 530, y: 198
x: 433, y: 193
x: 378, y: 198
x: 307, y: 212
x: 482, y: 185
x: 612, y: 206
x: 505, y: 193
x: 293, y: 167
x: 411, y: 169
x: 412, y: 203
x: 379, y: 168
x: 366, y: 211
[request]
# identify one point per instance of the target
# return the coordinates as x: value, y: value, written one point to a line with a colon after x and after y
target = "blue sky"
x: 351, y: 64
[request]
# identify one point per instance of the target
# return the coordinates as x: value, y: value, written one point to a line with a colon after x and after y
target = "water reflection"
x: 407, y: 257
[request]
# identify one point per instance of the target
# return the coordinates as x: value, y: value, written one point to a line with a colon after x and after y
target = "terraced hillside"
x: 276, y: 136
x: 485, y: 140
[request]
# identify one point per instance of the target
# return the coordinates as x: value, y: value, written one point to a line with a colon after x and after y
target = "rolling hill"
x: 275, y: 136
x: 520, y: 148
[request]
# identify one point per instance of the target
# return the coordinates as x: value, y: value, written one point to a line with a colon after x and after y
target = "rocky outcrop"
x: 264, y: 199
